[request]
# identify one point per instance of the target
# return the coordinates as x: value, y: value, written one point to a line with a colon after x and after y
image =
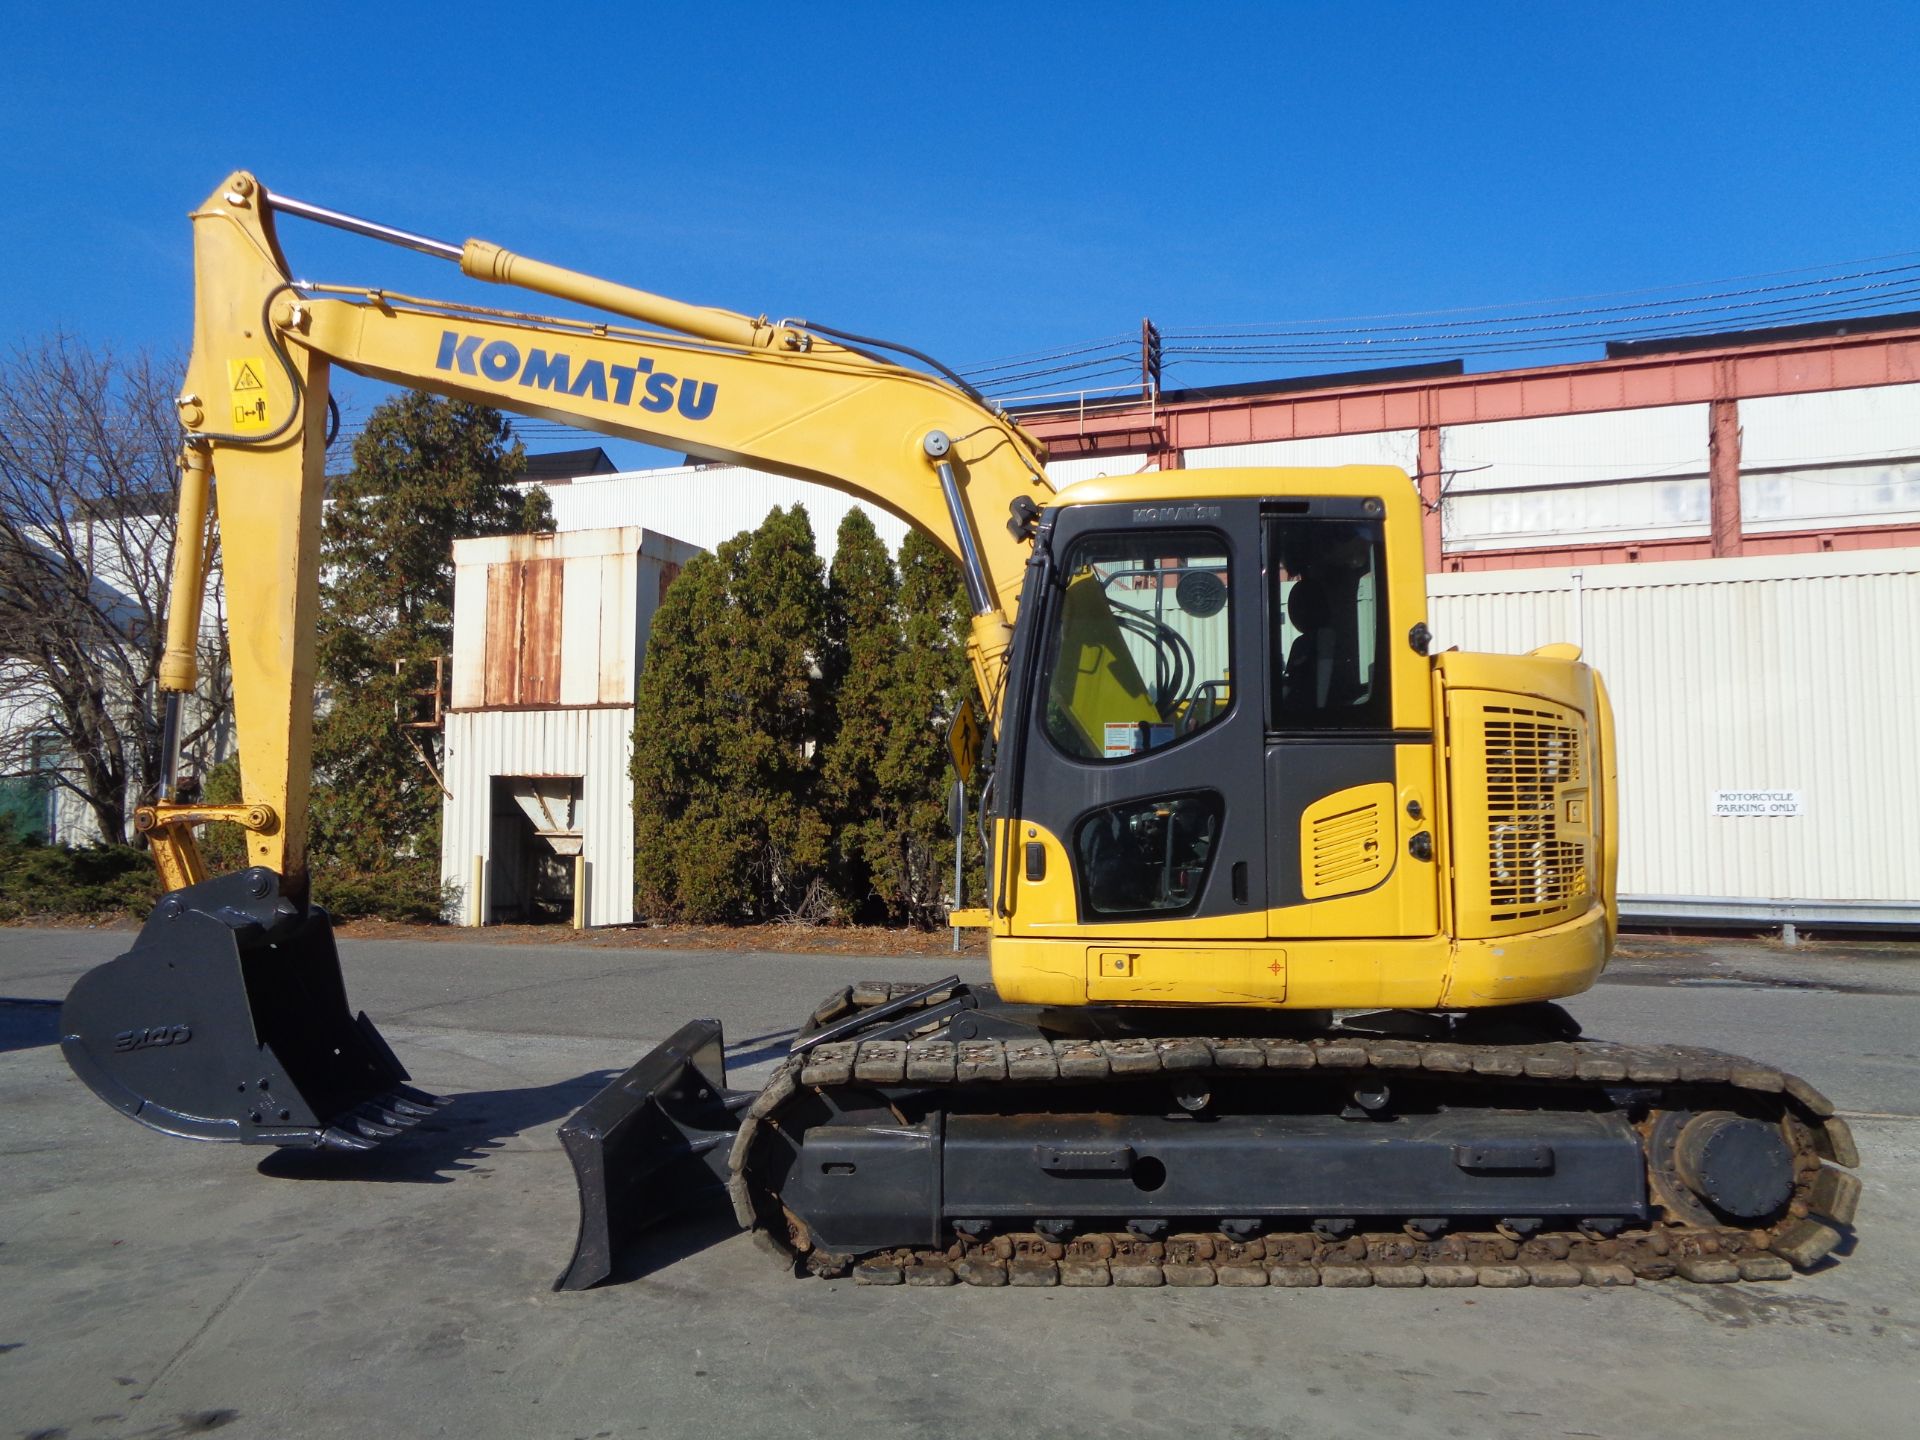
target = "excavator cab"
x: 1218, y: 742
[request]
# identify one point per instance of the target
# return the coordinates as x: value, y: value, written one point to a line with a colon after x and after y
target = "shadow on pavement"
x: 774, y: 1045
x: 462, y: 1136
x: 27, y: 1024
x: 672, y: 1241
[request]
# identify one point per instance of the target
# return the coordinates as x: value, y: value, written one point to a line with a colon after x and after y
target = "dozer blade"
x: 652, y: 1143
x: 228, y: 1020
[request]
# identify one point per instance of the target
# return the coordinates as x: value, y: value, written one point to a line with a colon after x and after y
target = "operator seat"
x: 1307, y: 682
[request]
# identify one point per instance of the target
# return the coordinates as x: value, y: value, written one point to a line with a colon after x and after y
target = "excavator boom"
x: 721, y: 386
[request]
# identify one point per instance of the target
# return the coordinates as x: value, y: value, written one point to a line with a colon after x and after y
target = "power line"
x: 1415, y: 348
x: 1132, y: 369
x: 1910, y: 277
x: 1038, y: 357
x: 1103, y: 362
x: 1685, y: 286
x: 1856, y: 286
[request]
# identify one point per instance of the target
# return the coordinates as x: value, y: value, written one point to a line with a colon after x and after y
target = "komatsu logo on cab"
x: 540, y: 369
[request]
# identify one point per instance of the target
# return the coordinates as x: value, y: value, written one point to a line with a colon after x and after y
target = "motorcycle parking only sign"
x: 1764, y: 803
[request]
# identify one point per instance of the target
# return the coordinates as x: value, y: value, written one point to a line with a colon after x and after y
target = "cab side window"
x: 1327, y: 623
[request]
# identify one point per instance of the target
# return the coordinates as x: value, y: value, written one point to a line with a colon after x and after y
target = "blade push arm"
x: 714, y: 384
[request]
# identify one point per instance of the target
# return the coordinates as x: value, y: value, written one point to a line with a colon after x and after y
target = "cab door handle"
x: 1036, y: 860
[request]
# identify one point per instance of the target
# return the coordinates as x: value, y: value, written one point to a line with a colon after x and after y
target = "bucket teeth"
x: 381, y: 1118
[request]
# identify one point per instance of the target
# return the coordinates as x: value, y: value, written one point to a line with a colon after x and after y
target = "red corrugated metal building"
x: 1805, y: 438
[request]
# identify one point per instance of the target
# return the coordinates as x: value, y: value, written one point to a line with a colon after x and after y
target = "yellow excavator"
x: 1279, y: 901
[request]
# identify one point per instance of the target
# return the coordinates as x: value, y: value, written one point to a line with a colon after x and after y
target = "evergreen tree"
x: 898, y: 670
x: 863, y: 646
x: 425, y: 472
x: 688, y: 861
x: 930, y: 677
x: 728, y: 715
x: 752, y: 667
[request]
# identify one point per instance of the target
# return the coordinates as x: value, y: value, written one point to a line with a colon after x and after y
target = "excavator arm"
x: 783, y: 397
x: 228, y: 1017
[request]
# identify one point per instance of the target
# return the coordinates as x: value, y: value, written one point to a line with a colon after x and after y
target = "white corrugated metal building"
x: 549, y: 634
x: 1764, y: 709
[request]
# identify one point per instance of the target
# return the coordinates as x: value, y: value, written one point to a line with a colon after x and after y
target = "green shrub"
x: 897, y: 670
x: 52, y: 880
x: 408, y: 890
x: 223, y: 847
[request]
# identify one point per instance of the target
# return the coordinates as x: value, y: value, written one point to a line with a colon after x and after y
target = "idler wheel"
x: 1742, y: 1168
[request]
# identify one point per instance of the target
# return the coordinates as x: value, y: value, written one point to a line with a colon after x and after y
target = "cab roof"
x: 1162, y: 487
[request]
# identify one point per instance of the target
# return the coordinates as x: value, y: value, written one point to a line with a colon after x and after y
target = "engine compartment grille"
x: 1524, y: 847
x: 1533, y: 756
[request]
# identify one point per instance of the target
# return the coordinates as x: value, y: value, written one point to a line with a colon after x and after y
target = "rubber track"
x: 1822, y: 1207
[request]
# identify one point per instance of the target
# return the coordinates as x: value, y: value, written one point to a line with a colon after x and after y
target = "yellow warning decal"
x: 247, y: 383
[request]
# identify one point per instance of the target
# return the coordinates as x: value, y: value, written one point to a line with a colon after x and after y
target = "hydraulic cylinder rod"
x: 484, y: 261
x: 372, y: 229
x: 972, y: 568
x: 179, y: 668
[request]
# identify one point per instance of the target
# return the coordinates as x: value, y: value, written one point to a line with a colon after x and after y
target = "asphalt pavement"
x: 153, y: 1288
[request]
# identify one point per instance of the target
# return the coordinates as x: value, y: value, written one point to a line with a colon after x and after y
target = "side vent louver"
x: 1346, y: 841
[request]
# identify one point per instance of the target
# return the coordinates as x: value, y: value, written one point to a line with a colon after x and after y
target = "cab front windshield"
x: 1140, y: 653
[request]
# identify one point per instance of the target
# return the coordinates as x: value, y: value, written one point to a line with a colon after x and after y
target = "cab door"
x: 1139, y: 798
x: 1349, y: 760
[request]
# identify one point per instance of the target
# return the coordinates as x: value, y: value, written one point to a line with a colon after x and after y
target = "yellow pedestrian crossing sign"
x: 963, y: 741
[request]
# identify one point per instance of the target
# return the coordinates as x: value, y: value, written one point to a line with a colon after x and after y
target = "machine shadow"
x: 28, y: 1024
x: 461, y: 1136
x: 465, y: 1133
x: 774, y: 1045
x: 660, y: 1246
x: 1849, y: 1242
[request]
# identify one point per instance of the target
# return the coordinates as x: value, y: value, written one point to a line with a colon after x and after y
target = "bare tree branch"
x: 88, y: 493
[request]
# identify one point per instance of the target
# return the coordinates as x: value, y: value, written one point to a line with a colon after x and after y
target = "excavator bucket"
x: 653, y: 1143
x: 228, y: 1020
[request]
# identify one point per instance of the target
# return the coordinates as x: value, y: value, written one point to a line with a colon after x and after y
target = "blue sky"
x: 979, y: 181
